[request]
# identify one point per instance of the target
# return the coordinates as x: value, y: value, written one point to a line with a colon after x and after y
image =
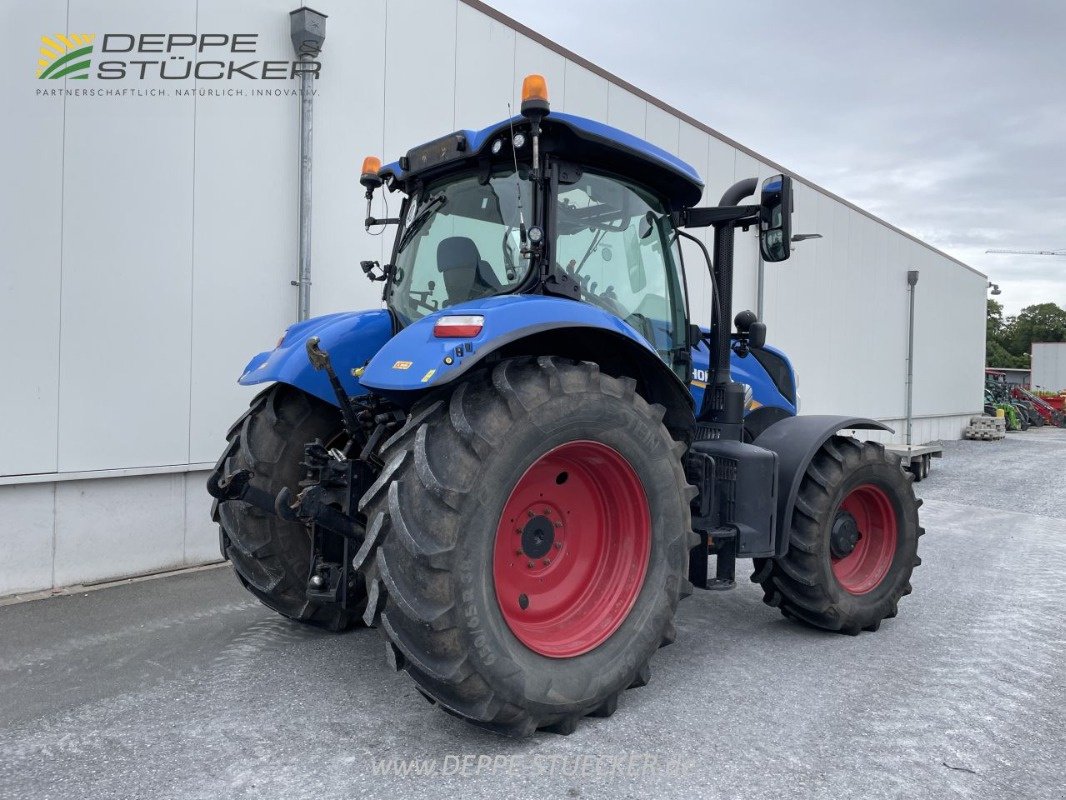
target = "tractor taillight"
x: 458, y: 327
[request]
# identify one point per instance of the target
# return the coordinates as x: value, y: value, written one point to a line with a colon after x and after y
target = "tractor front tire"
x: 853, y: 542
x: 272, y: 556
x: 532, y: 534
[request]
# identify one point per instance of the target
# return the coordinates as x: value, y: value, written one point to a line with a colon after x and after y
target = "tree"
x: 996, y: 355
x: 1044, y: 322
x: 996, y: 340
x: 994, y: 327
x: 1008, y: 340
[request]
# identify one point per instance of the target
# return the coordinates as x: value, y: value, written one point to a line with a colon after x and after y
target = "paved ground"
x: 184, y: 688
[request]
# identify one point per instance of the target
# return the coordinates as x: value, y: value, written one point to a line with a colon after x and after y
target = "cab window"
x: 614, y: 239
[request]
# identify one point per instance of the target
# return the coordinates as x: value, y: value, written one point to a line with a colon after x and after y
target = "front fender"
x: 415, y: 359
x: 796, y: 440
x: 350, y: 338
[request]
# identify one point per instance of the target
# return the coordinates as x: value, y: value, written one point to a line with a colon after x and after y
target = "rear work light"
x: 458, y: 327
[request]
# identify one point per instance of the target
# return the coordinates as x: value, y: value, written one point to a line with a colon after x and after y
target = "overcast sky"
x: 946, y: 118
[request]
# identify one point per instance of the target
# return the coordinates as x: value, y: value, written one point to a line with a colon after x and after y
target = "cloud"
x: 947, y: 119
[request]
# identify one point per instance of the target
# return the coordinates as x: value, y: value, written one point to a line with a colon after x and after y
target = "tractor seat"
x: 466, y: 275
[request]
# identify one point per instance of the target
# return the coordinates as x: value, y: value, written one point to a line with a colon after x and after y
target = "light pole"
x: 761, y: 279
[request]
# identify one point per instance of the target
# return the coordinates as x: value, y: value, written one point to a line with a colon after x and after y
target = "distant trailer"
x: 917, y: 458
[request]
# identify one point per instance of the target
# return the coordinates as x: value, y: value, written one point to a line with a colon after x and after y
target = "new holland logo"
x: 65, y: 56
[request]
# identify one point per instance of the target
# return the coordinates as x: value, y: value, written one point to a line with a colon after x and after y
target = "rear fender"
x: 796, y: 440
x: 350, y: 338
x: 415, y: 360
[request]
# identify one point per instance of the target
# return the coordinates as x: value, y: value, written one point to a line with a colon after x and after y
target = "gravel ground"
x: 183, y: 687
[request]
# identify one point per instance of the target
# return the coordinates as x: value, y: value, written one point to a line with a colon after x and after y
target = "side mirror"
x: 757, y: 335
x: 775, y: 218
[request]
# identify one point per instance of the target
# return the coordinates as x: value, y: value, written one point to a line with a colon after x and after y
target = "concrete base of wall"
x: 87, y: 531
x: 923, y: 429
x: 61, y: 534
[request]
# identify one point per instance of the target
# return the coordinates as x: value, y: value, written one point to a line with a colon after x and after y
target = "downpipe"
x: 912, y: 282
x: 306, y: 142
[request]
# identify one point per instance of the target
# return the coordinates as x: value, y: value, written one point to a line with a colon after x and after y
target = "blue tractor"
x: 518, y: 467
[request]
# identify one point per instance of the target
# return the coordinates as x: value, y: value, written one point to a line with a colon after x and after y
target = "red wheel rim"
x: 572, y: 549
x: 863, y: 569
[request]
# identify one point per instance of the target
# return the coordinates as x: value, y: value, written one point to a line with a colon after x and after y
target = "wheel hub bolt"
x: 531, y: 565
x: 547, y: 562
x: 558, y: 545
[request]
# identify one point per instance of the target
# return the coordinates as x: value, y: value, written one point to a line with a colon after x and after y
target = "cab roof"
x: 583, y: 141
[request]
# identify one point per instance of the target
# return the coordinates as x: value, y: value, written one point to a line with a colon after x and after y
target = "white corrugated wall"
x: 1049, y: 366
x: 149, y: 244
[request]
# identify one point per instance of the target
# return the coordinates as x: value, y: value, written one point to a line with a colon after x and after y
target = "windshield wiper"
x: 420, y: 219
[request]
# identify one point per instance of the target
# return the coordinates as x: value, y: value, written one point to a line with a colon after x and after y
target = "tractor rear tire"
x: 853, y: 542
x: 532, y: 534
x: 271, y: 556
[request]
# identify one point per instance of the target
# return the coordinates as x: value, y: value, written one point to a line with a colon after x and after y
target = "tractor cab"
x: 555, y: 205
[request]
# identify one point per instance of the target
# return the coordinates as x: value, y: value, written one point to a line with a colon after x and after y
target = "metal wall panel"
x: 692, y: 147
x: 348, y: 126
x: 1049, y: 366
x: 586, y: 92
x: 746, y: 252
x: 662, y: 129
x: 127, y: 264
x: 244, y: 230
x: 484, y: 71
x: 626, y: 111
x: 949, y: 356
x: 420, y: 70
x: 31, y: 214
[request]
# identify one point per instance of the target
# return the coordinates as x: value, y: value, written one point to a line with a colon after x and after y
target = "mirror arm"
x: 715, y: 215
